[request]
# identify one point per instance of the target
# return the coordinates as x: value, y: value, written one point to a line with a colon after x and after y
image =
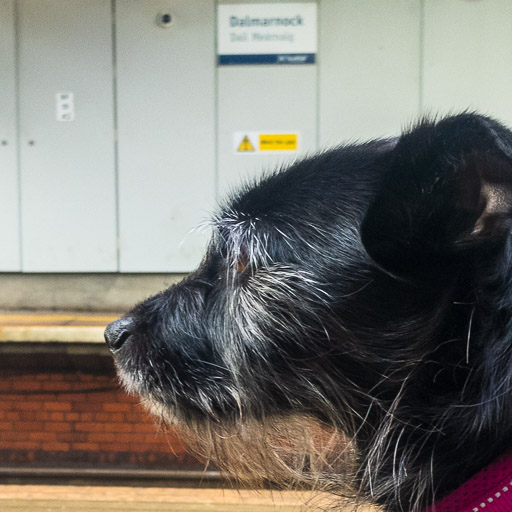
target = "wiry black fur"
x: 368, y: 287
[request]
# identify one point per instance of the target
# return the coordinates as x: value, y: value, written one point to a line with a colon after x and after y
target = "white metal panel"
x: 68, y: 178
x: 268, y: 99
x: 166, y: 91
x: 9, y: 211
x: 369, y: 68
x: 468, y: 57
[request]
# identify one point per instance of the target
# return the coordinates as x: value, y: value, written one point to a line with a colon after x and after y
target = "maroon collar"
x: 490, y: 490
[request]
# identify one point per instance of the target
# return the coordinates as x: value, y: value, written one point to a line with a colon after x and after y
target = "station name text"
x: 247, y: 21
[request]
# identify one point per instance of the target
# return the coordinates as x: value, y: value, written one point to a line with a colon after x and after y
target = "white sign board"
x: 268, y: 33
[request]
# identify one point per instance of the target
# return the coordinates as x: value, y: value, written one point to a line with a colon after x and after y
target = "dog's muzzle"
x: 118, y: 332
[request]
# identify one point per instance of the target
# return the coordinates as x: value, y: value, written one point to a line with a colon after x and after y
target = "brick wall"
x: 69, y: 411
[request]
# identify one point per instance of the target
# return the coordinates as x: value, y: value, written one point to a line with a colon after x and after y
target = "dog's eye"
x: 242, y: 261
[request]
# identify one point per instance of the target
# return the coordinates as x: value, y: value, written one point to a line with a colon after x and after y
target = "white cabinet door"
x: 67, y: 136
x: 468, y: 57
x: 166, y: 109
x: 369, y: 68
x: 9, y: 203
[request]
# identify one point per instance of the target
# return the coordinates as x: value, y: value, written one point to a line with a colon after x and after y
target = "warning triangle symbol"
x: 245, y: 145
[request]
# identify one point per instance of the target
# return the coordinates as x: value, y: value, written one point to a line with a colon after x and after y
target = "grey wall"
x: 122, y: 186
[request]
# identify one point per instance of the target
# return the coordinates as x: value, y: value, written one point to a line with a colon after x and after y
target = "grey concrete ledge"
x: 80, y: 292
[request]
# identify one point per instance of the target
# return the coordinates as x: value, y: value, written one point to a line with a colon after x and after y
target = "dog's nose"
x: 118, y: 332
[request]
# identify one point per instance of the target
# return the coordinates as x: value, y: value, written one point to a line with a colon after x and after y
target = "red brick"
x: 119, y: 448
x: 87, y: 407
x: 57, y: 416
x: 104, y: 397
x: 19, y: 436
x: 11, y: 397
x: 57, y: 406
x: 55, y: 447
x: 136, y: 418
x: 72, y: 416
x: 73, y: 437
x: 118, y: 427
x: 128, y: 438
x: 57, y: 386
x: 55, y: 426
x: 34, y: 415
x: 102, y: 438
x: 9, y: 415
x: 90, y: 427
x: 117, y: 417
x: 71, y: 397
x: 117, y: 407
x: 138, y: 447
x: 6, y: 405
x: 86, y: 446
x: 24, y: 405
x: 19, y: 445
x: 42, y: 436
x: 86, y: 377
x: 86, y: 416
x: 27, y: 386
x: 29, y: 426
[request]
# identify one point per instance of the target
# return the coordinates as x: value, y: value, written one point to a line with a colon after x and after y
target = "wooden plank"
x: 65, y: 328
x: 104, y: 498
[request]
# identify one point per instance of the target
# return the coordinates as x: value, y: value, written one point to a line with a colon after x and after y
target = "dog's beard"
x: 292, y: 451
x: 283, y: 451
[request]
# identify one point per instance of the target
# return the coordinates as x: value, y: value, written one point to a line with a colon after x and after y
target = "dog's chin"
x: 168, y: 415
x: 130, y: 384
x: 134, y: 384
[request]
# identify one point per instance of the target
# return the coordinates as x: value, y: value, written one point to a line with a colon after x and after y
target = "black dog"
x: 350, y: 324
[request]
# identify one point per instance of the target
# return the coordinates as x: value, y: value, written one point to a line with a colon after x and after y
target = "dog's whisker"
x: 469, y: 333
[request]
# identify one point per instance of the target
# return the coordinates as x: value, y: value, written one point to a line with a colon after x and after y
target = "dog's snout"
x: 118, y: 332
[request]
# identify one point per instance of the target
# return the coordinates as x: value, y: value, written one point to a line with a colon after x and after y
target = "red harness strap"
x: 490, y: 490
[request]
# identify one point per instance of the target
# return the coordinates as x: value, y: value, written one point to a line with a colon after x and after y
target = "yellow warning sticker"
x: 278, y: 142
x: 245, y: 145
x: 254, y: 143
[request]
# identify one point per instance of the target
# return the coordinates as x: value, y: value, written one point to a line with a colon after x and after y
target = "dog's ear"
x: 448, y: 189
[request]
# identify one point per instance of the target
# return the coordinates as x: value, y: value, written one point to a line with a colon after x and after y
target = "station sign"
x: 267, y: 33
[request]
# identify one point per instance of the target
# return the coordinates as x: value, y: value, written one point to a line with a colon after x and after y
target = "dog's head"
x: 364, y: 291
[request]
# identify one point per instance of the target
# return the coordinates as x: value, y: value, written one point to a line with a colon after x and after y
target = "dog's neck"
x: 490, y: 490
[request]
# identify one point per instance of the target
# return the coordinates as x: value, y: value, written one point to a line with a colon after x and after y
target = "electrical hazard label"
x: 263, y: 142
x: 245, y: 145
